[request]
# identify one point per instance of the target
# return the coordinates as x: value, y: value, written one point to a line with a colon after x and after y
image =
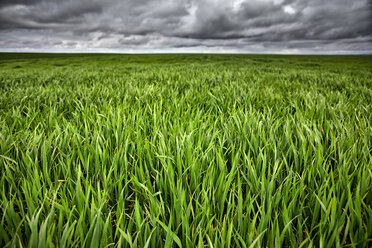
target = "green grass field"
x: 185, y: 150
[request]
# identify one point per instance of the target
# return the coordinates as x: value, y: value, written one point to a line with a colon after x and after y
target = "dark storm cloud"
x: 191, y: 26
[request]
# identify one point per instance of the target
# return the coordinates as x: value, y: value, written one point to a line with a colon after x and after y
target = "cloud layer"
x: 253, y: 26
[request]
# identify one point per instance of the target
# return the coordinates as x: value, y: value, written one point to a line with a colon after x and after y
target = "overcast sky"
x: 243, y: 26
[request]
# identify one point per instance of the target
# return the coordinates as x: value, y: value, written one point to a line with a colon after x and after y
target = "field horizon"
x: 185, y: 150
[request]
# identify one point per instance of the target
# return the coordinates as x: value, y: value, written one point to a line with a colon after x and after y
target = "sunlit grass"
x: 185, y: 150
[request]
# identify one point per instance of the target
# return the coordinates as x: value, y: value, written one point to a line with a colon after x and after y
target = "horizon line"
x: 367, y: 53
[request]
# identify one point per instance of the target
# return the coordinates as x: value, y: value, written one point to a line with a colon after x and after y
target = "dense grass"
x: 185, y: 150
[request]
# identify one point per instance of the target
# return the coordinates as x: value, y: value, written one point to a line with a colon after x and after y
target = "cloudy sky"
x: 243, y: 26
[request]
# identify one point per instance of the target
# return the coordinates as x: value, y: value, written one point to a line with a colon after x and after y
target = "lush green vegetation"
x: 185, y: 150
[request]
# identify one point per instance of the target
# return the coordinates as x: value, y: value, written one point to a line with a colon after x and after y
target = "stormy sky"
x: 242, y: 26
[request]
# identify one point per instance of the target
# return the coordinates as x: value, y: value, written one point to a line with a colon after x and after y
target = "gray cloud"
x: 297, y: 26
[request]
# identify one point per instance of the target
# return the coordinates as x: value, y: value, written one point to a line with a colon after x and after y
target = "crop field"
x: 185, y: 150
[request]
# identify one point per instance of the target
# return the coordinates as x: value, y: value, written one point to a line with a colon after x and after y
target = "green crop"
x: 185, y: 150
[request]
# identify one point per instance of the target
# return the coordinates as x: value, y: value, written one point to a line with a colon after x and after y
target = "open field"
x: 185, y: 150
